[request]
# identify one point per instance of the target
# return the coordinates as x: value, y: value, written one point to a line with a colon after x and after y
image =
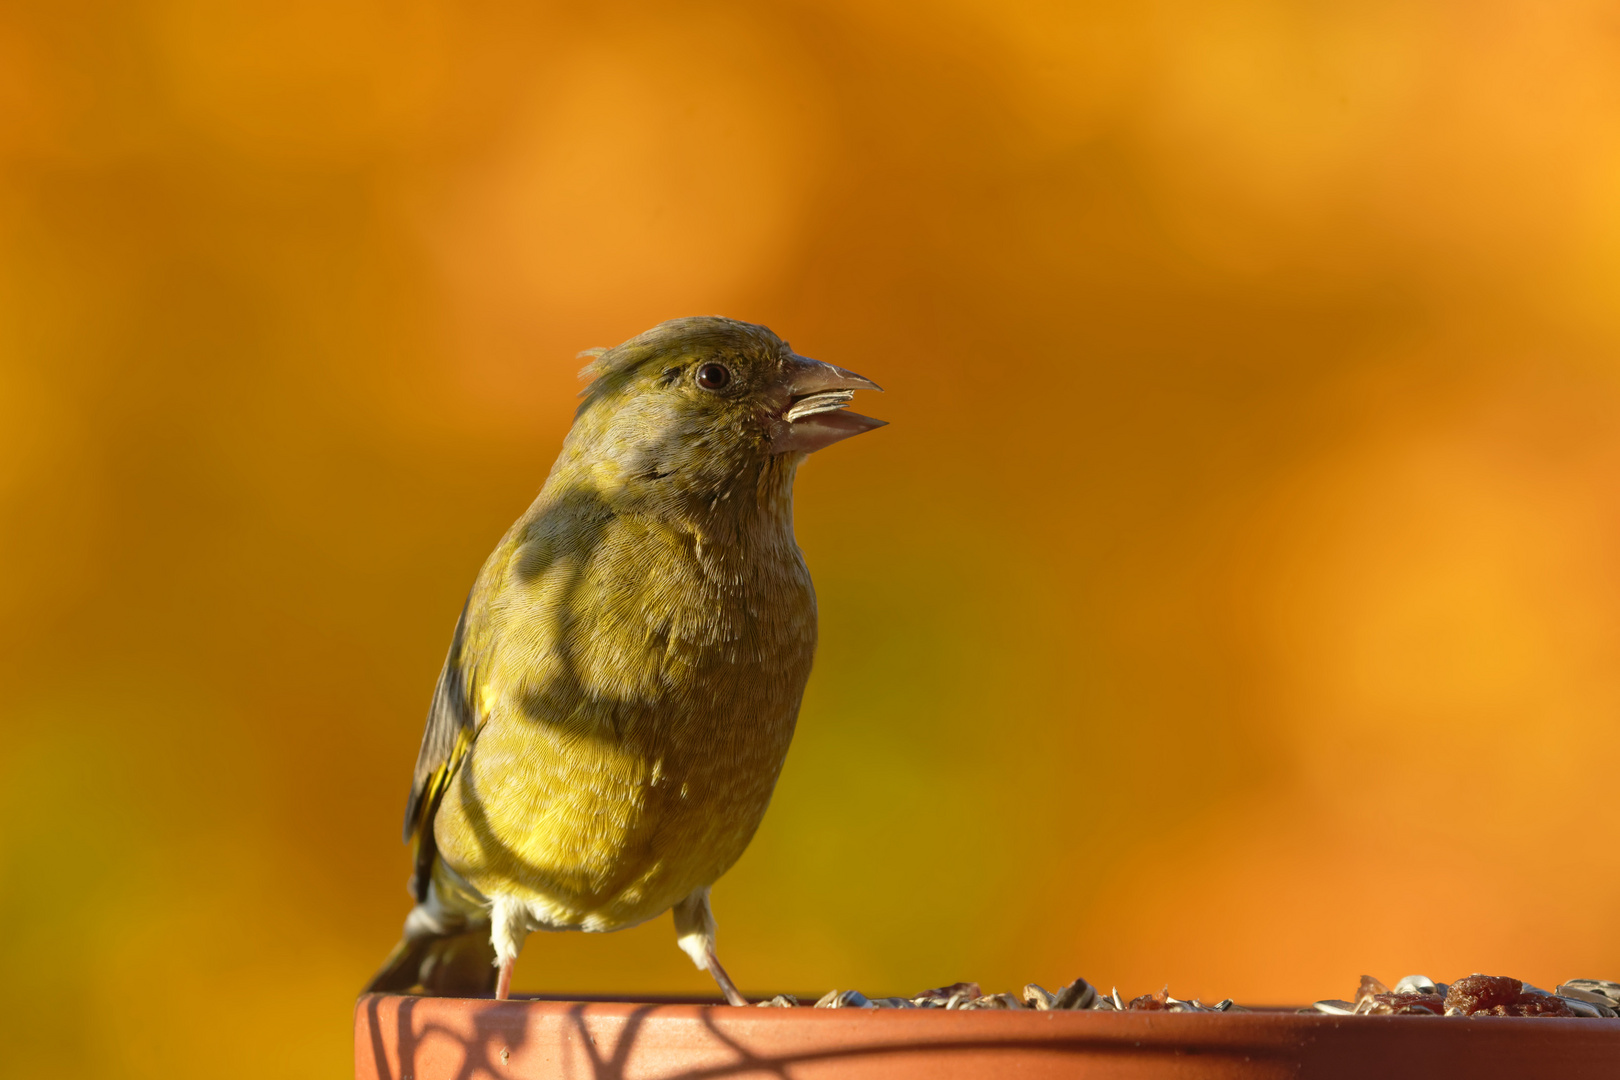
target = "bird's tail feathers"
x: 456, y: 965
x: 442, y: 953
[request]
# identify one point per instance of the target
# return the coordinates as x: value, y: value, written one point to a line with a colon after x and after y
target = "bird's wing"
x: 451, y: 728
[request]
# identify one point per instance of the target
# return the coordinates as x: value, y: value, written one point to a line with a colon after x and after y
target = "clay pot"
x: 404, y: 1038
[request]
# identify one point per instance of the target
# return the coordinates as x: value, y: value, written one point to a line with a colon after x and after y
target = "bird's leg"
x: 503, y: 981
x: 508, y: 926
x: 694, y: 927
x: 727, y: 987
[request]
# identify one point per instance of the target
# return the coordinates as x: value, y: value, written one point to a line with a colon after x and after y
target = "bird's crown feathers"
x: 612, y: 370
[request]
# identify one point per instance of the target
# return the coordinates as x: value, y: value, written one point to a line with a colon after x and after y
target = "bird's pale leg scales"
x: 727, y: 987
x: 503, y: 982
x: 694, y: 929
x: 508, y: 926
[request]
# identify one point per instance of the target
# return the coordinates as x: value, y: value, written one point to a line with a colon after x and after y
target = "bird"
x: 625, y: 677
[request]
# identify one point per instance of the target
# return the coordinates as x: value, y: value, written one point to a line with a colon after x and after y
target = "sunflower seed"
x: 780, y: 1001
x: 1077, y: 995
x: 1417, y: 984
x: 953, y: 996
x: 1178, y: 1005
x: 1586, y: 1008
x: 1037, y: 996
x: 827, y: 401
x: 1595, y: 991
x: 847, y: 999
x: 993, y: 1001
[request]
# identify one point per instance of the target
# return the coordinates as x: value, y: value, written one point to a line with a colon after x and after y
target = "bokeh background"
x: 1233, y: 603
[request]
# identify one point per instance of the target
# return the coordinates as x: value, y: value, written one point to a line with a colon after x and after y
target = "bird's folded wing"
x: 451, y: 728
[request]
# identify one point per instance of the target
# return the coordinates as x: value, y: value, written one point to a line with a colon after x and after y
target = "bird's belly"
x: 598, y: 832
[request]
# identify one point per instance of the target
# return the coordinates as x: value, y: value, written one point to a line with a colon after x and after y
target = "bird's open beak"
x: 815, y: 416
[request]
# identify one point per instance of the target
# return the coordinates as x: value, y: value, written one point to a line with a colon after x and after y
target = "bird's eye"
x: 713, y: 376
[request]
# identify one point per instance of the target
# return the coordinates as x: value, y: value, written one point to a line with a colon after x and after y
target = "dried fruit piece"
x: 1498, y: 995
x: 1538, y: 1005
x: 1150, y: 1002
x: 1482, y: 993
x: 1402, y: 1005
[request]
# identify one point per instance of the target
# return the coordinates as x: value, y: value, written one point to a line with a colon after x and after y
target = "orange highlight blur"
x: 1234, y: 601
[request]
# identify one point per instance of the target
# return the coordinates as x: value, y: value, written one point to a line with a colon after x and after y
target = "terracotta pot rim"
x: 699, y: 1005
x: 620, y: 1039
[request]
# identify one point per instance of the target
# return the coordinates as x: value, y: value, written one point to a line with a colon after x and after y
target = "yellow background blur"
x: 1234, y: 601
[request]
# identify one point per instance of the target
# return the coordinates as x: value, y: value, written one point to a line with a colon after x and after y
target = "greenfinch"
x: 625, y: 677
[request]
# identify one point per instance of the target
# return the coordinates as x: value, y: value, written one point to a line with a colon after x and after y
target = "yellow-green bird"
x: 624, y: 681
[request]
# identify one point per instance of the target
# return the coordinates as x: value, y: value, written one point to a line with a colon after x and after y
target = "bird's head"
x: 693, y: 404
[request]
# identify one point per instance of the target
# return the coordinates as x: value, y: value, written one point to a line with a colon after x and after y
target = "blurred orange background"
x: 1234, y: 601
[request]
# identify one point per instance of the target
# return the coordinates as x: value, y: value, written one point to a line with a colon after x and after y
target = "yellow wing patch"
x: 423, y: 848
